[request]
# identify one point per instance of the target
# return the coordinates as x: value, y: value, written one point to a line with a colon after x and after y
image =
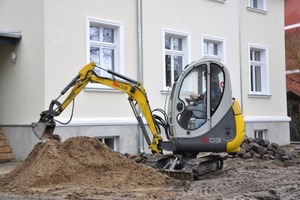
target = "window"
x: 104, y: 44
x: 193, y: 94
x: 257, y: 5
x: 258, y: 71
x: 210, y: 48
x: 216, y: 86
x: 213, y: 47
x: 260, y: 134
x: 175, y: 57
x: 111, y: 142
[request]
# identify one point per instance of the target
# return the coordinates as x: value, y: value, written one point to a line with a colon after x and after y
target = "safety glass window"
x: 216, y: 87
x: 192, y: 96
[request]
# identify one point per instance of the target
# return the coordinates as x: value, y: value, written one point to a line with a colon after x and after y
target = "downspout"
x: 240, y: 52
x: 140, y: 66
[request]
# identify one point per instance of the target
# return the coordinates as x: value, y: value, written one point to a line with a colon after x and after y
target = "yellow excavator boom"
x: 135, y: 91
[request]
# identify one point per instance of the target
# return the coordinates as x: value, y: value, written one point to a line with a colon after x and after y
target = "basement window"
x: 261, y: 134
x: 111, y: 142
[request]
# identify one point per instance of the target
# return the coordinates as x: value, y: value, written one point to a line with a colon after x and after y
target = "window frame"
x: 114, y: 139
x: 260, y: 8
x: 118, y: 47
x: 264, y: 71
x: 219, y: 41
x: 184, y: 53
x: 260, y: 132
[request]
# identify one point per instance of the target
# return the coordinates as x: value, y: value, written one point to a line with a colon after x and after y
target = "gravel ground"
x: 240, y: 179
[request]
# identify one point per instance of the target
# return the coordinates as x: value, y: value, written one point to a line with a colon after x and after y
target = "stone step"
x: 2, y: 137
x: 4, y: 143
x: 5, y: 150
x: 6, y: 153
x: 7, y: 156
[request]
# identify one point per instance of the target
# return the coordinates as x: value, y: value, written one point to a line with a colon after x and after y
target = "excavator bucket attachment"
x: 39, y: 129
x: 44, y: 131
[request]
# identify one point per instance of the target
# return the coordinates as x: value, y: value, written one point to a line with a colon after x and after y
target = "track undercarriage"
x: 184, y: 167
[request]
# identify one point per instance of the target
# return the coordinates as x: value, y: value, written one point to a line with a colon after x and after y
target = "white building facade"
x: 148, y: 40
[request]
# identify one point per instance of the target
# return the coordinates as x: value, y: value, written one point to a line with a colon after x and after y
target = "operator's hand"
x: 195, y: 97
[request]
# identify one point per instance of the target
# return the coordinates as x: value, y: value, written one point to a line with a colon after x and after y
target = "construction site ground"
x: 83, y: 168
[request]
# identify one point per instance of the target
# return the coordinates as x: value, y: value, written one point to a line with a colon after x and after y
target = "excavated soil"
x: 84, y: 168
x: 80, y: 162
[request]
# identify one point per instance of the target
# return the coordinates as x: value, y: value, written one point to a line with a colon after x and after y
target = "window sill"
x: 257, y: 10
x: 262, y: 96
x: 219, y: 1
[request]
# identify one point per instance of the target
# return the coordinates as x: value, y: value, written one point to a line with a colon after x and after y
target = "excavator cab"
x: 202, y: 113
x: 202, y: 117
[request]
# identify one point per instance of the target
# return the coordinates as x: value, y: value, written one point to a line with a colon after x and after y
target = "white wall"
x: 265, y: 30
x: 266, y: 112
x: 196, y: 18
x: 65, y: 44
x: 53, y: 49
x: 22, y: 83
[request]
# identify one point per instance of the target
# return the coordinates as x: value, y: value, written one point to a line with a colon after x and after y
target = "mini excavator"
x: 202, y: 116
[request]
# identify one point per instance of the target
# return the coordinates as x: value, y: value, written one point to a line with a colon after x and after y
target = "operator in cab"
x: 197, y: 103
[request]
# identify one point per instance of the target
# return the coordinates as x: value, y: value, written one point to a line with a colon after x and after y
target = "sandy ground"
x: 240, y: 179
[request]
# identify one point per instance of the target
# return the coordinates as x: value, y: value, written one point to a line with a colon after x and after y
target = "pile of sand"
x: 79, y: 161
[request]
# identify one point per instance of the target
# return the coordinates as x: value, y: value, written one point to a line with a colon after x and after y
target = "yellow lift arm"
x: 134, y: 89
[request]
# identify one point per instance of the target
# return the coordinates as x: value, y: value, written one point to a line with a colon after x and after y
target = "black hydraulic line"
x: 69, y: 85
x: 162, y: 122
x: 140, y: 121
x: 71, y: 117
x: 122, y: 76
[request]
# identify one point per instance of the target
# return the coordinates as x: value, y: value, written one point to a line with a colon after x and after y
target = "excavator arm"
x: 136, y: 95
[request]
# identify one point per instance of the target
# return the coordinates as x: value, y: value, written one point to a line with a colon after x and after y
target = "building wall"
x: 65, y: 47
x: 59, y: 45
x: 22, y: 83
x: 264, y: 112
x: 196, y: 20
x: 271, y: 37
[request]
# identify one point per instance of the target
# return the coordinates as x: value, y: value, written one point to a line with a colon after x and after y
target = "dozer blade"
x: 44, y: 131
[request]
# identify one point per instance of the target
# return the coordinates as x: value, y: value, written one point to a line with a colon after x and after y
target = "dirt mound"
x: 81, y: 161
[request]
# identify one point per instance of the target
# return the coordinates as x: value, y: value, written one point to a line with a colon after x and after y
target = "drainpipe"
x: 140, y: 66
x: 240, y: 52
